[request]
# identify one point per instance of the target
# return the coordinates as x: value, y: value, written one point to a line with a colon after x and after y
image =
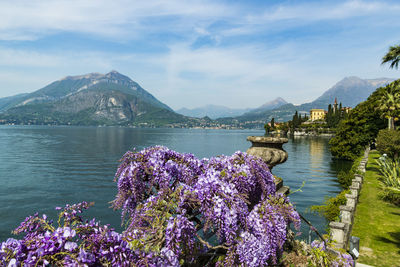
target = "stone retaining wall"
x: 341, y: 231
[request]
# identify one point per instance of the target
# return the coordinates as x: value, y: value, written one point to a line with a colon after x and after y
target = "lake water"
x: 43, y: 167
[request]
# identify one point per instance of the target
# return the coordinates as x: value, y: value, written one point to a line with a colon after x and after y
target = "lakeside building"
x: 346, y: 109
x: 320, y: 114
x: 317, y: 114
x: 342, y: 109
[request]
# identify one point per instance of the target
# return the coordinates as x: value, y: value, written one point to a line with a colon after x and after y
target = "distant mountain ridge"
x: 216, y: 111
x: 93, y: 98
x: 349, y: 91
x: 115, y: 99
x: 211, y: 111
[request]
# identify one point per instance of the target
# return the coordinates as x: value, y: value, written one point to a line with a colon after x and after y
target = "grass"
x: 377, y: 223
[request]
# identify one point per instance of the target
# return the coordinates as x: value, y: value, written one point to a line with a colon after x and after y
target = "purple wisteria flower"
x: 177, y: 210
x: 228, y: 205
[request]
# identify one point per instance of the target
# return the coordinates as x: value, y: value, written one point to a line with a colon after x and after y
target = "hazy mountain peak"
x: 116, y: 75
x: 353, y: 80
x: 113, y: 74
x: 211, y: 111
x: 93, y: 75
x: 277, y: 102
x: 351, y: 90
x: 349, y: 81
x: 380, y: 81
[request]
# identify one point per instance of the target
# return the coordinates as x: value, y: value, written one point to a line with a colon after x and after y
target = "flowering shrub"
x: 72, y: 243
x: 177, y: 210
x: 321, y: 257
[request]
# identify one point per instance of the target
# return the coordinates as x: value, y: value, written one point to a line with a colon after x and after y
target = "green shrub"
x: 388, y: 142
x: 391, y: 195
x: 390, y: 179
x: 330, y: 209
x: 345, y: 178
x: 390, y: 170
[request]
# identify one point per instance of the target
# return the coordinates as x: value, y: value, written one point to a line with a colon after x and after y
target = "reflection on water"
x: 42, y: 167
x: 310, y: 161
x: 317, y: 150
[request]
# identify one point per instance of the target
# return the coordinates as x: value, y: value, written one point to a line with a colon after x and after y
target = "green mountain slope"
x: 92, y: 99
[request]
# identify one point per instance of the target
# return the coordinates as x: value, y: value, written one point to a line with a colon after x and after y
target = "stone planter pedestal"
x: 269, y: 149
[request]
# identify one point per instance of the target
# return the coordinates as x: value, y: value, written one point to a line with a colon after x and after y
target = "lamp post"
x: 354, y: 247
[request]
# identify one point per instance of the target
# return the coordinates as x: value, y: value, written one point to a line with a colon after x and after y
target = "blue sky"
x: 192, y: 53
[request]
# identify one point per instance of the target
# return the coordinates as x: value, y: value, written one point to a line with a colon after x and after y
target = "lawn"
x: 377, y: 223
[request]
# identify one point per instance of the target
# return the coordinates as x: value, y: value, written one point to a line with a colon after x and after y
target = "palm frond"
x: 392, y: 56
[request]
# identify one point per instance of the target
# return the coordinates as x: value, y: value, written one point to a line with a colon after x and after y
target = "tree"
x: 328, y: 117
x: 392, y: 56
x: 359, y: 129
x: 296, y: 120
x: 273, y: 123
x: 388, y: 142
x: 389, y: 103
x: 267, y: 128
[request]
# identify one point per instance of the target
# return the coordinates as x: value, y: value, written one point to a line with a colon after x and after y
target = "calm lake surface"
x: 42, y: 167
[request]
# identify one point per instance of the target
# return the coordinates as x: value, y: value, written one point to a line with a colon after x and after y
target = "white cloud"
x: 321, y: 11
x: 243, y: 73
x: 124, y: 19
x: 118, y: 18
x: 285, y: 16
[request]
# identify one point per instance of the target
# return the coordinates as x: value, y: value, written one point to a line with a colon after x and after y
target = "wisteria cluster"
x: 223, y: 210
x: 323, y: 258
x: 177, y: 210
x: 72, y: 243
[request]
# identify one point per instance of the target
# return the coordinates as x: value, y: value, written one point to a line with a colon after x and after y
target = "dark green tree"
x: 296, y: 120
x: 388, y: 141
x: 360, y: 128
x: 267, y: 128
x: 329, y: 117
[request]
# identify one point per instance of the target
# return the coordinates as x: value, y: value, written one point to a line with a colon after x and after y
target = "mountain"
x: 91, y: 99
x: 7, y: 102
x: 214, y: 111
x: 349, y: 91
x: 211, y: 111
x: 276, y: 103
x: 114, y: 99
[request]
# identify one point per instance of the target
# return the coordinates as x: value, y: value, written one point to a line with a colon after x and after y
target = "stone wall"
x: 341, y: 231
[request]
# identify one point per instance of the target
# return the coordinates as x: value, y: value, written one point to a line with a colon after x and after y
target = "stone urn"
x: 269, y: 149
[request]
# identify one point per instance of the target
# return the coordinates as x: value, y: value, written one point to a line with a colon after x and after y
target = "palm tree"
x: 389, y: 103
x: 392, y: 56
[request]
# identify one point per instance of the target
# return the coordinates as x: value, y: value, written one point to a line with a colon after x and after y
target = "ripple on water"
x: 42, y: 167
